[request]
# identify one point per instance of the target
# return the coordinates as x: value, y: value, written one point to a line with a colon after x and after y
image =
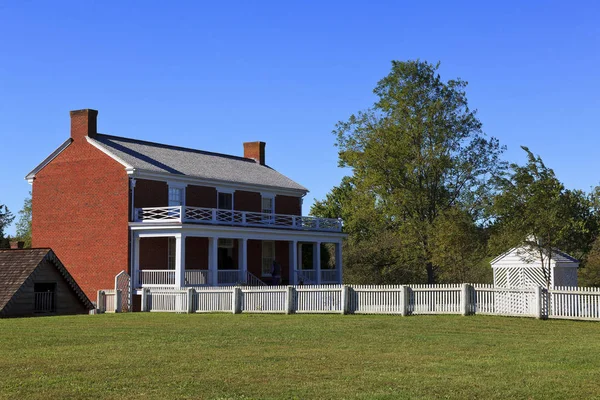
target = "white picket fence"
x: 465, y: 299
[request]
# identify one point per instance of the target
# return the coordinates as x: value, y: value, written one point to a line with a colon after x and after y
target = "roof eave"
x: 145, y: 174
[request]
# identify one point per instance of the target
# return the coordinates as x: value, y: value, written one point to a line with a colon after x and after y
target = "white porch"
x: 294, y: 270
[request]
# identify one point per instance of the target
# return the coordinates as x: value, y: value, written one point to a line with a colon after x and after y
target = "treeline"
x: 430, y: 199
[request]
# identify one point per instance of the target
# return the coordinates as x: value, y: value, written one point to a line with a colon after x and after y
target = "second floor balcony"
x: 186, y: 214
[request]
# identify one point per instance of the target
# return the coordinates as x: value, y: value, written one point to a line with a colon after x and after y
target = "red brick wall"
x: 247, y: 201
x: 201, y: 196
x: 196, y: 253
x: 154, y: 253
x: 255, y: 257
x: 151, y: 193
x: 288, y: 205
x: 80, y: 210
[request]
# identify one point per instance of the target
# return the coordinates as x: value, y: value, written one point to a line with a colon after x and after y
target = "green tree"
x: 23, y: 225
x: 416, y: 153
x: 6, y: 218
x: 534, y: 209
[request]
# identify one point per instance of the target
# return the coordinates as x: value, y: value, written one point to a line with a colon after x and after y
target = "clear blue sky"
x: 211, y: 75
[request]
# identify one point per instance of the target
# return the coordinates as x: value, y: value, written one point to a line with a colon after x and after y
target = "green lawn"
x: 146, y: 355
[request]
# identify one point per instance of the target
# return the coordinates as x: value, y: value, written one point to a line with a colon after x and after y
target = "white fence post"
x: 190, y: 300
x: 345, y: 300
x: 236, y: 301
x: 289, y: 300
x: 405, y: 299
x: 465, y: 299
x: 101, y: 300
x: 118, y: 301
x: 541, y: 303
x: 145, y: 303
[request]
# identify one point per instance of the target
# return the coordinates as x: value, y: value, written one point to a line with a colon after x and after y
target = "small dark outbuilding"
x: 33, y: 282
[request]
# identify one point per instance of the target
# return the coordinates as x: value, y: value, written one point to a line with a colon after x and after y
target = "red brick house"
x: 173, y: 216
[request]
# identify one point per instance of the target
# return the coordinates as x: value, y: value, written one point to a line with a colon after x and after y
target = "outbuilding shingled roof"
x: 161, y: 158
x: 16, y: 266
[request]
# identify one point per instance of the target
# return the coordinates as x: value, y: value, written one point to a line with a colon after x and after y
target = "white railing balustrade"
x: 306, y: 276
x: 159, y: 214
x: 228, y: 276
x: 571, y: 303
x: 156, y: 277
x: 233, y: 217
x: 329, y: 276
x: 197, y: 277
x: 43, y: 302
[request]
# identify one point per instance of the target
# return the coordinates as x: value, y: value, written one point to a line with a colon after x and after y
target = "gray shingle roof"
x: 155, y: 157
x: 16, y: 266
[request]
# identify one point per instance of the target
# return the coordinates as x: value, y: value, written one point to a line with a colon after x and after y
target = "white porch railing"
x: 306, y: 276
x: 158, y: 277
x: 196, y: 277
x: 329, y: 276
x: 185, y: 214
x: 229, y: 276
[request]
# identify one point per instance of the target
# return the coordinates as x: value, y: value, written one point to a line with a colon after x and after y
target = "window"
x: 267, y: 205
x: 225, y: 201
x: 268, y: 256
x: 172, y: 253
x: 44, y: 297
x: 175, y: 197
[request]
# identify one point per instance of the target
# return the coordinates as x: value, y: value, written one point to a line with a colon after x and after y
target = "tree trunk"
x: 430, y: 274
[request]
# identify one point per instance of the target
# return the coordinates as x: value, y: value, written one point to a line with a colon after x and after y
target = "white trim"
x: 176, y: 184
x: 232, y: 232
x: 108, y: 153
x: 30, y: 176
x: 222, y: 189
x: 216, y: 183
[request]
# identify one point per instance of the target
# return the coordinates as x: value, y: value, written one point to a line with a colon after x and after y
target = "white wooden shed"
x: 521, y: 267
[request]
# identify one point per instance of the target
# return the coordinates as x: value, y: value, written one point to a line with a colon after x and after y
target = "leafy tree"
x: 589, y: 275
x: 23, y: 225
x: 534, y: 208
x: 416, y: 153
x: 460, y: 248
x: 6, y: 218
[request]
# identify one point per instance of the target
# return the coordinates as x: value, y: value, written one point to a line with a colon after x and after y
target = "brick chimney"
x: 255, y: 151
x: 15, y: 244
x: 83, y: 123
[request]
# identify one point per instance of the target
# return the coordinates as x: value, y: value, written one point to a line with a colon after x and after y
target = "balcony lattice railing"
x: 185, y: 214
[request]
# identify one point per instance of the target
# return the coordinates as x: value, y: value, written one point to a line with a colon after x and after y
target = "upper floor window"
x: 225, y: 201
x: 175, y: 197
x: 267, y: 205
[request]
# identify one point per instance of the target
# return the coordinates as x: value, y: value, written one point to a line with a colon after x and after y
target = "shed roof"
x: 523, y: 252
x: 16, y: 266
x: 162, y: 158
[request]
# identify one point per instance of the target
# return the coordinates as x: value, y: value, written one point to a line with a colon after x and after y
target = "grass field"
x: 145, y: 355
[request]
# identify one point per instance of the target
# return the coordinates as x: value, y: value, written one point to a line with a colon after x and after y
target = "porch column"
x: 300, y: 266
x: 293, y: 261
x: 243, y: 259
x: 135, y: 268
x: 317, y: 260
x: 180, y: 260
x: 338, y: 261
x: 213, y: 261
